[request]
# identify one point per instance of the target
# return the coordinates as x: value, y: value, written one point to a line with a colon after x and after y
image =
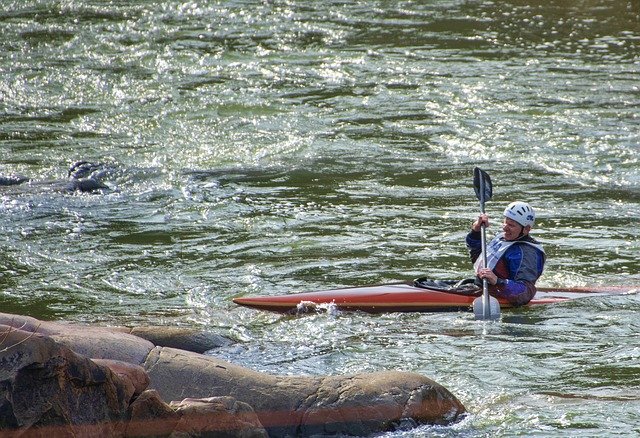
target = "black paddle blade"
x: 482, y: 185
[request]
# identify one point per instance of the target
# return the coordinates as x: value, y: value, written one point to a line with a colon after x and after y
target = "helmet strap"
x: 521, y: 235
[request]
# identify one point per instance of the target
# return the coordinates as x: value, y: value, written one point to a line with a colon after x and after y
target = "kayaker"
x: 515, y: 260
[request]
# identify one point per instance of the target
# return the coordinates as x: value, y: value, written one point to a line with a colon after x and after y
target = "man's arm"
x: 474, y: 244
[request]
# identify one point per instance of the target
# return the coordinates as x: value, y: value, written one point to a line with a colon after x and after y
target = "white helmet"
x: 520, y: 212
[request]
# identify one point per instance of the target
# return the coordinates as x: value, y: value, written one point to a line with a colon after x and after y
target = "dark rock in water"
x: 85, y: 185
x: 197, y: 341
x: 86, y: 169
x: 12, y: 180
x: 83, y: 176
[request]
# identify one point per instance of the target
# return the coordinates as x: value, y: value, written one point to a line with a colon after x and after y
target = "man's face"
x: 512, y: 229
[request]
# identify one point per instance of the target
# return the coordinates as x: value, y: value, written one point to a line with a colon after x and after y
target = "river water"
x: 267, y: 147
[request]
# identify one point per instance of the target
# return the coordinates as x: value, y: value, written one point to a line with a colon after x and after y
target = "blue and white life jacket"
x: 498, y: 247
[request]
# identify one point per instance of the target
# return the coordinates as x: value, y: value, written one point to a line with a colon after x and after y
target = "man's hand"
x: 487, y: 273
x: 482, y: 219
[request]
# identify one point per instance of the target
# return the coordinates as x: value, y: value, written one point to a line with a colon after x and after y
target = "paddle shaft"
x: 486, y: 309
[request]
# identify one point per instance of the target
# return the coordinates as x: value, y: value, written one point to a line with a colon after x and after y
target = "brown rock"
x: 25, y: 323
x: 151, y: 416
x: 133, y: 376
x: 303, y: 406
x: 93, y: 342
x: 46, y: 389
x: 218, y: 417
x: 43, y: 384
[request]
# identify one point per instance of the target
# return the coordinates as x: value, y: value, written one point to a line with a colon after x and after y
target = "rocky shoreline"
x: 61, y: 379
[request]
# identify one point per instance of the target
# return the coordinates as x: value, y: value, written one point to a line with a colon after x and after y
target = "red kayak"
x: 416, y: 296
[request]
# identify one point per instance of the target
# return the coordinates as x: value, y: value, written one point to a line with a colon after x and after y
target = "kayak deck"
x: 405, y: 297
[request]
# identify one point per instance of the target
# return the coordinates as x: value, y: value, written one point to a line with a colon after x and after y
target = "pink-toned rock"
x: 93, y: 342
x: 220, y: 417
x: 151, y: 416
x: 42, y: 383
x: 48, y: 390
x: 302, y: 406
x: 133, y: 376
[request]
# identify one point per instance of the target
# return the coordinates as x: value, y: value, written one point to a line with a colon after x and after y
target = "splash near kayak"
x: 421, y: 295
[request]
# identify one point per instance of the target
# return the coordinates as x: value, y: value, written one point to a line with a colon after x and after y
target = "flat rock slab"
x: 93, y: 342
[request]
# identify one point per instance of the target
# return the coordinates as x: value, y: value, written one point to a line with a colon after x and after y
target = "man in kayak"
x: 515, y: 260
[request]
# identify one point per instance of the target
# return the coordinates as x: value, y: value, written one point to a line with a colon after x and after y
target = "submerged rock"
x: 83, y: 176
x: 197, y: 341
x: 12, y: 180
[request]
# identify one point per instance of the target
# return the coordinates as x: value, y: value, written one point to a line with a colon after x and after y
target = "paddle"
x: 485, y: 307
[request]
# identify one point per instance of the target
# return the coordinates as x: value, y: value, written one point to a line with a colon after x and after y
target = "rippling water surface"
x: 282, y: 146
